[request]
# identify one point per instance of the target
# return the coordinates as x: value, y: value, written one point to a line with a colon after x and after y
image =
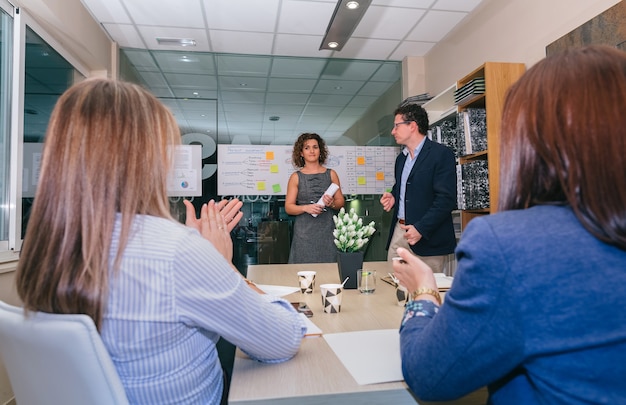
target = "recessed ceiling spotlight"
x: 176, y: 41
x: 274, y: 118
x: 195, y: 93
x: 338, y: 87
x: 243, y: 84
x: 333, y: 44
x: 352, y: 5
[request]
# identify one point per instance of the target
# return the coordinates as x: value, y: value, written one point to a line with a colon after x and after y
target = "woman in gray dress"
x: 312, y: 240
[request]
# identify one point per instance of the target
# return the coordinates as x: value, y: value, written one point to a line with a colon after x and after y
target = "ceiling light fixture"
x: 176, y: 41
x: 344, y: 20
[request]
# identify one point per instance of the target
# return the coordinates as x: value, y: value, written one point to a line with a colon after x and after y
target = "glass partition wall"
x: 270, y: 100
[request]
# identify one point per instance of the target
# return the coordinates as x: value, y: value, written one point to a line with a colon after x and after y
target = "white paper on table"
x: 371, y: 356
x: 312, y: 330
x: 443, y: 282
x: 277, y: 290
x: 329, y: 191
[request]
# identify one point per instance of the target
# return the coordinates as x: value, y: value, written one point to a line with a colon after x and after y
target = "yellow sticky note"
x: 361, y: 180
x: 276, y: 188
x: 380, y: 176
x: 269, y: 155
x: 360, y: 160
x: 273, y: 168
x: 260, y: 185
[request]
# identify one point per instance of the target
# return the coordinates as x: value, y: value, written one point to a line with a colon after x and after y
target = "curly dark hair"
x: 414, y: 112
x: 297, y: 160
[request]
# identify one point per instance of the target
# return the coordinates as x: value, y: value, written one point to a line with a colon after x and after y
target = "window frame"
x: 21, y: 21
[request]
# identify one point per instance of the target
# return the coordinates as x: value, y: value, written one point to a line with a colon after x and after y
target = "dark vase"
x: 349, y: 263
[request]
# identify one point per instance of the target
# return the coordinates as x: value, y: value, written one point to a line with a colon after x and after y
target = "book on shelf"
x: 475, y: 185
x: 472, y: 130
x: 469, y: 90
x: 418, y: 99
x: 445, y: 132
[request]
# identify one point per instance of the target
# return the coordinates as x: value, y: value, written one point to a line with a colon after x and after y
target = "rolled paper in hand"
x: 329, y: 191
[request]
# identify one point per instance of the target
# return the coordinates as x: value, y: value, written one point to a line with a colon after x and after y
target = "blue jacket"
x: 430, y: 198
x: 536, y: 312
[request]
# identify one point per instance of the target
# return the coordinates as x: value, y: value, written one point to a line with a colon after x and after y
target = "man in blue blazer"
x: 424, y: 194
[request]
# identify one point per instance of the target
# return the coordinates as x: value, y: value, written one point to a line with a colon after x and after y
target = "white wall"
x: 71, y: 25
x: 505, y: 31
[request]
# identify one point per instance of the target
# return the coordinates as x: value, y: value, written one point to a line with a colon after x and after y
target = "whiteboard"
x: 265, y: 169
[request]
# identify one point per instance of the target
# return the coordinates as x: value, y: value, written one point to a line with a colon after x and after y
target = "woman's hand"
x: 229, y: 209
x: 412, y: 272
x: 313, y: 209
x: 212, y: 225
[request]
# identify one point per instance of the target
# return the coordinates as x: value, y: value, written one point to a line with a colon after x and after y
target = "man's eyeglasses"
x: 395, y: 124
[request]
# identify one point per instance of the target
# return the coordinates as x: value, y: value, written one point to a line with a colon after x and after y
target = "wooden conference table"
x: 316, y: 375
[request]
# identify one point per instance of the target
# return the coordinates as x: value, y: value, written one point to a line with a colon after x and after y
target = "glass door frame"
x: 22, y: 20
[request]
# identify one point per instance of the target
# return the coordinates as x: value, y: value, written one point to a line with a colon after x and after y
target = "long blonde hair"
x: 106, y: 151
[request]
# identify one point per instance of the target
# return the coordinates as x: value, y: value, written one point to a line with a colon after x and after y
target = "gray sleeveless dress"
x: 313, y: 240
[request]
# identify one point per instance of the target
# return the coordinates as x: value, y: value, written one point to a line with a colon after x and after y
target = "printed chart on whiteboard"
x: 265, y: 169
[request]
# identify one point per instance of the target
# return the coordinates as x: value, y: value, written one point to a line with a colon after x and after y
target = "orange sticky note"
x: 269, y: 155
x: 380, y: 176
x: 360, y: 160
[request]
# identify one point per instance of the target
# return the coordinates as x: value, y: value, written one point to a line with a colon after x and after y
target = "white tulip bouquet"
x: 350, y: 233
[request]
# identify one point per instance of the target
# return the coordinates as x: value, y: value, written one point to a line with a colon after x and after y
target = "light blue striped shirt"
x: 172, y: 299
x: 406, y: 170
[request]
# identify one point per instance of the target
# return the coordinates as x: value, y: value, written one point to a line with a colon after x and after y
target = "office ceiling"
x: 261, y: 59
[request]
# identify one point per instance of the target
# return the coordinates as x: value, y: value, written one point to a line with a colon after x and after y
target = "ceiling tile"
x: 387, y: 23
x: 243, y: 65
x: 435, y: 25
x: 347, y: 69
x: 196, y: 82
x: 285, y: 98
x: 125, y: 35
x: 456, y: 5
x: 110, y: 11
x: 376, y: 49
x: 300, y: 45
x: 241, y: 42
x: 185, y: 62
x: 167, y: 13
x: 304, y: 17
x: 239, y: 83
x: 405, y: 3
x: 242, y: 15
x: 338, y: 86
x: 409, y: 48
x: 291, y: 85
x: 308, y: 68
x: 150, y: 35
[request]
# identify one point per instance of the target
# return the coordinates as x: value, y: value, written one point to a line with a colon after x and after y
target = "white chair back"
x: 57, y: 359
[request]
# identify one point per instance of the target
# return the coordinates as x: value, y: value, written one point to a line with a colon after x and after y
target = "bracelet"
x: 249, y: 282
x: 427, y: 291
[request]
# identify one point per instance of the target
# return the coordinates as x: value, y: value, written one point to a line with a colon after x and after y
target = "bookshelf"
x: 498, y: 77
